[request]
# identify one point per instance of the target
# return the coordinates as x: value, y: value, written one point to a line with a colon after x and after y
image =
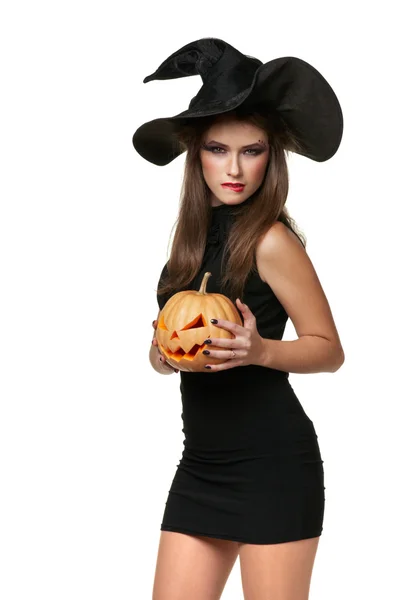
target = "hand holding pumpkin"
x: 247, y: 347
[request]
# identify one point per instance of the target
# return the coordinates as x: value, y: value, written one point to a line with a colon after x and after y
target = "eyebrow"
x: 261, y: 144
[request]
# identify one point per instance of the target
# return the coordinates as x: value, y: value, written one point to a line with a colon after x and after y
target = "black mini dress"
x: 251, y: 469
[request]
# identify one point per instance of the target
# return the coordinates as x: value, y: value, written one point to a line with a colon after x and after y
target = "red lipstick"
x: 235, y: 187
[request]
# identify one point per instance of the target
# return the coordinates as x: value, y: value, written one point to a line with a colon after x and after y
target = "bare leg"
x: 192, y: 567
x: 277, y: 571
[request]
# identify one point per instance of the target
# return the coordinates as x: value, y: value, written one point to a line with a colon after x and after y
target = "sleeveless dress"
x: 251, y: 469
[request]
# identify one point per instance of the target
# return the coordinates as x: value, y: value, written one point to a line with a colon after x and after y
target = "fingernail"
x: 214, y: 321
x: 207, y: 367
x: 206, y: 352
x: 207, y: 341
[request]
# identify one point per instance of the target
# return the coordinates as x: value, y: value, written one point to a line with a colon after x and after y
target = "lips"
x: 233, y: 187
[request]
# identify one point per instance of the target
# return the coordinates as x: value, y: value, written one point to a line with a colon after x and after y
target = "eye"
x: 211, y: 148
x: 255, y: 152
x: 214, y: 148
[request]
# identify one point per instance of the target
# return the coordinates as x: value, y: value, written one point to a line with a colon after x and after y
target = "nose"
x: 234, y: 166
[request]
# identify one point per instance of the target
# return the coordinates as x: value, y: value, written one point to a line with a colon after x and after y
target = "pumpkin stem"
x: 205, y: 279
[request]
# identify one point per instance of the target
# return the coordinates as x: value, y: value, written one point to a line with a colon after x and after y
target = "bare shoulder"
x: 283, y: 263
x: 280, y: 250
x: 277, y: 237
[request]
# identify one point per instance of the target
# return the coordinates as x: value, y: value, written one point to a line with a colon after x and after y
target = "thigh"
x: 192, y: 566
x: 277, y: 571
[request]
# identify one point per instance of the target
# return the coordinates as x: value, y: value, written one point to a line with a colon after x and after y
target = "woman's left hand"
x: 247, y: 345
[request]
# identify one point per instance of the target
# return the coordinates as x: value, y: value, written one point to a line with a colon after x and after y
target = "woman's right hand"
x: 162, y: 357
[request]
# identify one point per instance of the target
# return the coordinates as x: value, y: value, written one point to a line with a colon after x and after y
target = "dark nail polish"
x: 214, y: 321
x: 207, y: 367
x: 206, y: 352
x: 207, y: 342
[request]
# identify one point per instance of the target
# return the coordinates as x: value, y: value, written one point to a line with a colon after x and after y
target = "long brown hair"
x: 267, y: 205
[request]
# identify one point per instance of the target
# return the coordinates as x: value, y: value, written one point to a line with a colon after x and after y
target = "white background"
x: 90, y: 434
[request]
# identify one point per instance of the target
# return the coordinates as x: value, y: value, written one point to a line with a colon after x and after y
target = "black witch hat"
x: 288, y: 87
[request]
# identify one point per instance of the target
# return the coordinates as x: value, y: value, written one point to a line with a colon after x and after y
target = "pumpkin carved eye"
x: 162, y: 324
x: 199, y: 321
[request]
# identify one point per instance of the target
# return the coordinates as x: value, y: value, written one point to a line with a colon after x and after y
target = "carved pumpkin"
x: 184, y: 325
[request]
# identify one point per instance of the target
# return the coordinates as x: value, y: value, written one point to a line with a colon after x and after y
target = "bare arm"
x: 283, y: 263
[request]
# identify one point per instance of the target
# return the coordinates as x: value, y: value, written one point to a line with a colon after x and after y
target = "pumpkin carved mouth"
x: 179, y: 353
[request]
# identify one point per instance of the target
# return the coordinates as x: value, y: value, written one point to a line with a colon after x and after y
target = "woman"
x: 250, y: 482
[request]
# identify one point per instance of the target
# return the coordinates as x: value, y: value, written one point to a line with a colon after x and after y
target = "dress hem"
x: 233, y: 538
